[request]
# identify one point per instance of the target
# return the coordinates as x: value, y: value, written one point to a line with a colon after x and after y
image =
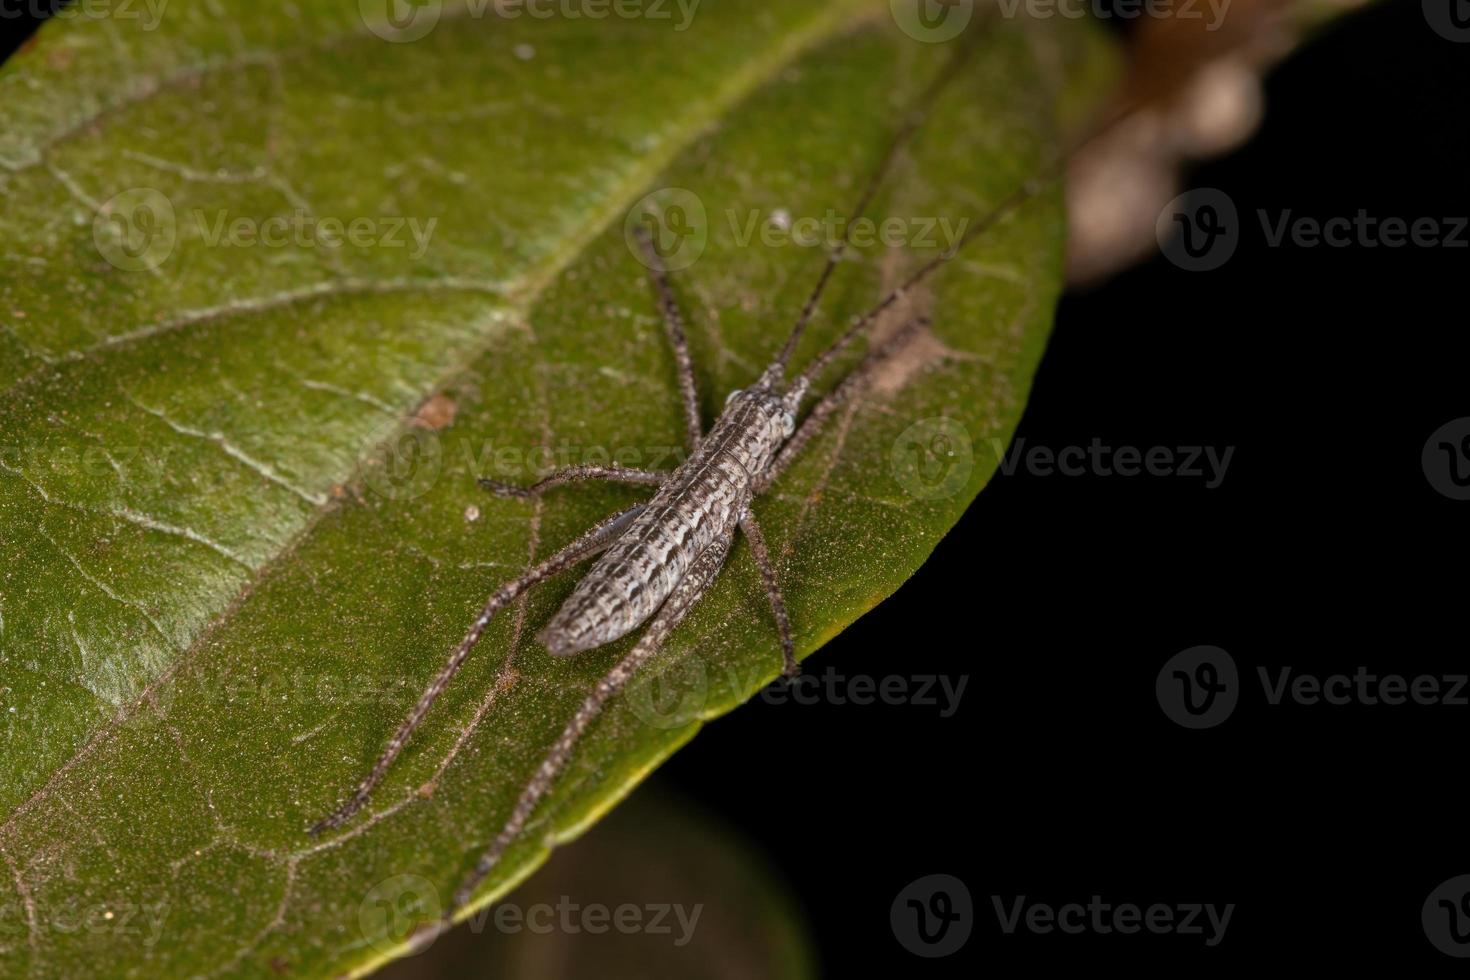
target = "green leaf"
x: 697, y: 903
x: 239, y: 524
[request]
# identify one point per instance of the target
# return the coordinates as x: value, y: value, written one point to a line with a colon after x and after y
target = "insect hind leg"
x: 592, y: 542
x: 688, y: 592
x: 790, y: 667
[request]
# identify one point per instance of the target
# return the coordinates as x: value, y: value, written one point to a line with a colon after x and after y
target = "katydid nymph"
x: 655, y: 560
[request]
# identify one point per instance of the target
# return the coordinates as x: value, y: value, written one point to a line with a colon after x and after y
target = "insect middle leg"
x: 688, y: 592
x: 678, y: 339
x: 594, y: 541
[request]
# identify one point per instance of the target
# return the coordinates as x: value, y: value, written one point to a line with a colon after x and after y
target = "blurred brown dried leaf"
x: 1195, y: 84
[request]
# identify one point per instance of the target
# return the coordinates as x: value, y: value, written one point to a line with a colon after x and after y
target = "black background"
x: 1325, y: 548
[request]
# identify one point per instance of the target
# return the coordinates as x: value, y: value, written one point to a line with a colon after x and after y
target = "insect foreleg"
x: 589, y: 544
x: 762, y: 555
x: 574, y: 474
x: 823, y: 410
x: 678, y: 340
x: 689, y: 590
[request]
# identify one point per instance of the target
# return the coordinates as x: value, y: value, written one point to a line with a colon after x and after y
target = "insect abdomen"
x: 703, y: 500
x: 635, y: 576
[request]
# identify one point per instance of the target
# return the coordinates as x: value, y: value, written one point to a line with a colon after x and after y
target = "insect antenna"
x: 1022, y: 193
x: 912, y: 120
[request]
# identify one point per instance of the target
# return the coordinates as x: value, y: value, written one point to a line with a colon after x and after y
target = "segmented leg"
x: 823, y: 409
x: 762, y: 554
x: 689, y: 590
x: 592, y: 542
x: 574, y: 474
x: 678, y: 340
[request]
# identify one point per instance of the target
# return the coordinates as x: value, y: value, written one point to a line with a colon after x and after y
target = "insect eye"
x: 788, y: 424
x: 731, y: 396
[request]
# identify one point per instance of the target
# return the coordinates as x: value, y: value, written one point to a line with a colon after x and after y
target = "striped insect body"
x: 702, y: 501
x: 656, y: 559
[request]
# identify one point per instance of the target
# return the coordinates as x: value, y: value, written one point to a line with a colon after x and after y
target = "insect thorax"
x: 757, y: 421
